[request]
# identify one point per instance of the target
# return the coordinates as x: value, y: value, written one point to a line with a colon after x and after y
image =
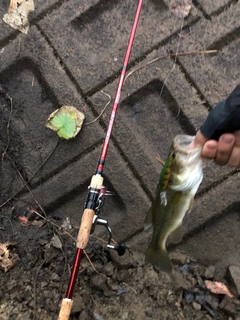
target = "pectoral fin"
x: 148, y: 219
x: 190, y: 205
x: 176, y: 235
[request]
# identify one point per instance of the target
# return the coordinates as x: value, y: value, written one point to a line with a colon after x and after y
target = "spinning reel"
x: 120, y: 248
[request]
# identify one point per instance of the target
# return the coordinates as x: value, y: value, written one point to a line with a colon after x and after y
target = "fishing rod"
x: 96, y: 190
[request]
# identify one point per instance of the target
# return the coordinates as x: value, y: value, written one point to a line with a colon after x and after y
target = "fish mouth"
x: 182, y: 141
x: 185, y: 155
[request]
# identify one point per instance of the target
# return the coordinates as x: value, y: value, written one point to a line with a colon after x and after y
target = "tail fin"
x: 159, y: 258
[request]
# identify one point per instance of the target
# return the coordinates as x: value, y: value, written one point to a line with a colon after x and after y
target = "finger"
x: 210, y: 149
x: 234, y: 159
x: 225, y: 147
x: 198, y: 141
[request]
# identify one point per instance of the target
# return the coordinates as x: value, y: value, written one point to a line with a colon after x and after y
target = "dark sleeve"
x: 224, y: 118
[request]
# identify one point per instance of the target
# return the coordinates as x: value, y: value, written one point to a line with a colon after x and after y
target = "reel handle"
x: 120, y: 248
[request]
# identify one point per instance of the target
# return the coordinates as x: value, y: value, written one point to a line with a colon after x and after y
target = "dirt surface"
x: 108, y: 286
x: 72, y: 55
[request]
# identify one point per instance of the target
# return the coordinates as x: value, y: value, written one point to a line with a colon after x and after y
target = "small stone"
x: 227, y: 306
x: 209, y: 272
x: 140, y: 287
x: 233, y: 275
x: 212, y: 301
x: 140, y: 272
x: 121, y: 290
x: 84, y: 315
x: 54, y: 277
x: 112, y: 284
x: 47, y: 294
x: 109, y: 269
x: 77, y: 304
x: 139, y: 259
x: 122, y: 262
x: 26, y: 315
x: 99, y: 281
x: 123, y: 275
x: 108, y: 293
x: 86, y: 298
x: 97, y: 316
x: 196, y: 306
x: 43, y: 284
x: 178, y: 258
x: 28, y: 288
x: 179, y: 281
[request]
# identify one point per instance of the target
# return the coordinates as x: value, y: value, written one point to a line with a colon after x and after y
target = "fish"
x: 178, y: 183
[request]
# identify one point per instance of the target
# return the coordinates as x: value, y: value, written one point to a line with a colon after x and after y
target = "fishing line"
x: 103, y: 110
x: 165, y: 110
x: 175, y: 59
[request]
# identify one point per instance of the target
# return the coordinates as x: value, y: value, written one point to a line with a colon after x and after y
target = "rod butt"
x: 65, y: 310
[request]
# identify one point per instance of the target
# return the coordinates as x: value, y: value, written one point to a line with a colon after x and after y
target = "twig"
x: 26, y: 182
x: 125, y: 284
x: 96, y: 304
x: 171, y: 55
x: 34, y: 290
x: 102, y: 240
x: 66, y: 264
x: 29, y: 190
x: 108, y: 95
x: 89, y: 260
x: 160, y: 160
x: 20, y: 175
x: 52, y: 223
x: 8, y: 126
x: 9, y: 220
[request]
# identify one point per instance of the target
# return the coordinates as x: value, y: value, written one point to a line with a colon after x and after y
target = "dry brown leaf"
x: 17, y: 15
x: 7, y: 258
x: 218, y: 287
x: 38, y: 223
x: 56, y: 242
x: 180, y: 8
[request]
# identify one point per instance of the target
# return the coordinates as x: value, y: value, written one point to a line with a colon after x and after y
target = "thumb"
x: 198, y: 141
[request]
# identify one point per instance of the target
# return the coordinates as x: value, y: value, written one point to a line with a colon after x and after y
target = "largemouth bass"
x: 179, y: 181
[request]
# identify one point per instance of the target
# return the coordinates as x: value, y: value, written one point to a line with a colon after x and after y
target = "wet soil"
x: 108, y: 286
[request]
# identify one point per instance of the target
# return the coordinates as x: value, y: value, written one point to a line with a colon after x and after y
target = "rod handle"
x: 65, y: 310
x: 85, y: 228
x: 88, y: 214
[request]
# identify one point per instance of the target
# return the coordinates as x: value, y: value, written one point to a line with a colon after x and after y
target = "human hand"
x: 220, y: 133
x: 224, y: 151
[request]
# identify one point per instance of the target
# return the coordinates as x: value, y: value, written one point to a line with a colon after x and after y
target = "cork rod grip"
x: 85, y: 228
x: 65, y: 310
x: 88, y: 214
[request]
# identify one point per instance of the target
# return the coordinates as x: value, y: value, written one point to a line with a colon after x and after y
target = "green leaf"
x: 66, y: 121
x: 65, y: 124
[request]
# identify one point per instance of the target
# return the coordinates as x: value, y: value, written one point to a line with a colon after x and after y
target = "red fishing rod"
x: 97, y: 191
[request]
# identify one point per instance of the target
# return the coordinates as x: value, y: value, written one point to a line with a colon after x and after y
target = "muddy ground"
x: 108, y: 286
